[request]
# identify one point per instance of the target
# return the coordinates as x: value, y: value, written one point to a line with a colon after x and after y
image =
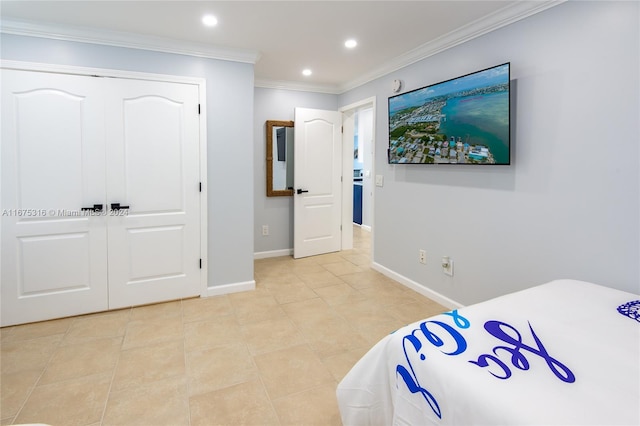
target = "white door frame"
x: 347, y: 168
x: 202, y: 93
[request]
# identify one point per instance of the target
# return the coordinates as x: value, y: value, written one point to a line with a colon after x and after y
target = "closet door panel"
x: 53, y: 253
x: 153, y: 154
x: 153, y: 166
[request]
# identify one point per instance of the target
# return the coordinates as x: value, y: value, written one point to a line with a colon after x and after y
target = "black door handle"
x: 117, y: 206
x: 95, y: 208
x: 300, y: 191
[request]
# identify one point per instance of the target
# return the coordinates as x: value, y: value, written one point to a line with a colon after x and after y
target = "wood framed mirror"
x: 279, y: 156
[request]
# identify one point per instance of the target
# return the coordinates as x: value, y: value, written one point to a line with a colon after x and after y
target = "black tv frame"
x: 429, y: 106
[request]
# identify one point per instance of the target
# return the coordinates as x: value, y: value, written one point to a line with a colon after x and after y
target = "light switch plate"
x: 379, y: 180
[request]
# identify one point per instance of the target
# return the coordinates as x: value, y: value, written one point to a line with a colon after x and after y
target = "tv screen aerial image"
x: 460, y: 121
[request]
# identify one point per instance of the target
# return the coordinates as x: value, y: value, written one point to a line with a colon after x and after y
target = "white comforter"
x: 559, y: 353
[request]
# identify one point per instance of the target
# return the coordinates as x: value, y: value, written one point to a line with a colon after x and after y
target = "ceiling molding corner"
x: 501, y: 18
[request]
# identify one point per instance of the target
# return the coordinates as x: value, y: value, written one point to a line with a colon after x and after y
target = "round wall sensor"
x: 396, y: 85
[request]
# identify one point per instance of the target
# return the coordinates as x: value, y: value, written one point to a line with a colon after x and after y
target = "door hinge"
x: 198, y: 108
x: 341, y: 129
x: 200, y: 263
x: 200, y: 187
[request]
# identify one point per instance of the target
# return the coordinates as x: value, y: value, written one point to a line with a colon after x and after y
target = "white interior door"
x: 317, y: 182
x: 153, y: 170
x: 54, y: 259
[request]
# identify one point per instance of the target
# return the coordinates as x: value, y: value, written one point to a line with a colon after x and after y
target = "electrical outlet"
x: 265, y: 230
x: 422, y: 256
x: 447, y: 266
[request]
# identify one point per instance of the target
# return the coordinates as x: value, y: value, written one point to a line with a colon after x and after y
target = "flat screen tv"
x: 464, y: 120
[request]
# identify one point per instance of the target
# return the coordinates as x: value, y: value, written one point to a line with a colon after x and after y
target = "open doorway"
x: 326, y: 165
x: 359, y: 137
x: 362, y: 165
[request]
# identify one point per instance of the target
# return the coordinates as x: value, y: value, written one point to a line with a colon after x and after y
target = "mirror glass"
x: 279, y: 158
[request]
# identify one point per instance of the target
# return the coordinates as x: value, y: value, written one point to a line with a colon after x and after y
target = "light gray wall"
x: 230, y: 139
x: 568, y: 206
x: 276, y: 212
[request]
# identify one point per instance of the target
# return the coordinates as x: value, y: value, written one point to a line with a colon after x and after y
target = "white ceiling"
x: 280, y: 37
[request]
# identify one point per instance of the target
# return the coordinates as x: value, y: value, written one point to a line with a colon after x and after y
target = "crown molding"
x: 294, y: 85
x: 507, y: 15
x: 128, y: 40
x: 501, y: 18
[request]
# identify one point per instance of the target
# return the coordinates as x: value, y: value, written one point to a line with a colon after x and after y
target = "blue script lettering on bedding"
x: 449, y: 341
x: 429, y: 330
x: 518, y: 359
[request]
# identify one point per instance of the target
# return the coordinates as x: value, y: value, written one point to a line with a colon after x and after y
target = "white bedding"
x: 559, y: 353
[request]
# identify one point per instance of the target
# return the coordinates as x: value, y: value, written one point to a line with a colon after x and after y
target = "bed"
x: 566, y: 352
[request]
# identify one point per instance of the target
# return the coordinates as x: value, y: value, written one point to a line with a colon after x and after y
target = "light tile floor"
x: 272, y: 356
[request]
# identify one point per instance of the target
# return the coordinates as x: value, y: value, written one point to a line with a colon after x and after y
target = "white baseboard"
x: 363, y: 227
x: 272, y: 253
x: 427, y: 292
x: 229, y: 288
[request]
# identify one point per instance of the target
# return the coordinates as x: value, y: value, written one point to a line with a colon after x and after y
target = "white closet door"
x: 54, y: 260
x: 153, y: 168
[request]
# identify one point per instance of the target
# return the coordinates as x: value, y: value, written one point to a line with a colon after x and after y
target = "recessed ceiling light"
x: 351, y: 43
x: 306, y: 72
x: 209, y: 20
